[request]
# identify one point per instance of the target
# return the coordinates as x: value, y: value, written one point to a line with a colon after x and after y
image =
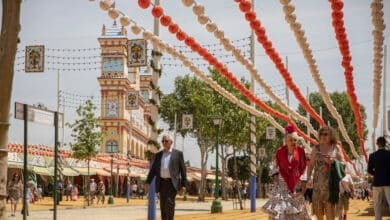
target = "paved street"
x: 136, y: 210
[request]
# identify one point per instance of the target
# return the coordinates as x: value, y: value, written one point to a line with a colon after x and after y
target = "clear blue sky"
x: 74, y: 24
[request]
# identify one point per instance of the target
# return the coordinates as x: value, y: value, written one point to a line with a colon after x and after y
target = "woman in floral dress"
x: 322, y: 157
x: 286, y: 203
x: 15, y: 189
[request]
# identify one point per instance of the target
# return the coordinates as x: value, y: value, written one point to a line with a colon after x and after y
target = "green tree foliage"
x: 341, y: 102
x: 243, y: 167
x: 86, y: 133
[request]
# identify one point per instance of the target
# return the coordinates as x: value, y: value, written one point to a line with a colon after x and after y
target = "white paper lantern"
x: 198, y: 9
x: 147, y: 35
x: 288, y: 9
x: 105, y: 4
x: 203, y: 19
x: 124, y: 20
x: 211, y: 27
x: 113, y: 13
x: 135, y: 29
x: 285, y: 2
x: 219, y: 34
x: 187, y: 3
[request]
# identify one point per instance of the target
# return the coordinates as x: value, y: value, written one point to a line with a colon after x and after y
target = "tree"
x: 10, y: 28
x: 243, y: 168
x: 341, y: 102
x: 86, y: 134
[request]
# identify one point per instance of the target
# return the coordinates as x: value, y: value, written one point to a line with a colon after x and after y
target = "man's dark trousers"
x: 167, y: 199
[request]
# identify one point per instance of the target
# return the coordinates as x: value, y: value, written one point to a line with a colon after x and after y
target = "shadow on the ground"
x: 370, y: 211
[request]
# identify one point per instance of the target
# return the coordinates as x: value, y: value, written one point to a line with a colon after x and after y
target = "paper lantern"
x: 124, y: 20
x: 337, y: 5
x: 250, y: 16
x: 135, y: 29
x: 173, y: 28
x: 198, y: 9
x: 189, y: 41
x: 245, y: 6
x: 203, y: 19
x: 157, y: 11
x: 288, y: 9
x: 165, y: 20
x: 187, y: 3
x: 255, y: 24
x: 144, y: 4
x: 211, y: 27
x: 180, y: 35
x: 219, y: 34
x: 113, y: 13
x: 147, y: 35
x: 105, y: 4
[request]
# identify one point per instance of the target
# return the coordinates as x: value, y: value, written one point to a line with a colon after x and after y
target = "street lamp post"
x: 216, y: 206
x: 110, y: 197
x: 111, y: 148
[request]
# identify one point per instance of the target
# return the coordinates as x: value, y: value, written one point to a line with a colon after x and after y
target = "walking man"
x: 379, y: 167
x: 170, y: 172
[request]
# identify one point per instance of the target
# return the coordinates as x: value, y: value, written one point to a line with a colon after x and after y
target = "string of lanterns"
x: 255, y: 24
x: 343, y: 43
x: 377, y: 33
x: 212, y: 27
x: 190, y: 42
x: 299, y: 33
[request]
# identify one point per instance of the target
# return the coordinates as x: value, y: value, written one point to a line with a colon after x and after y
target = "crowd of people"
x: 304, y: 184
x: 320, y: 184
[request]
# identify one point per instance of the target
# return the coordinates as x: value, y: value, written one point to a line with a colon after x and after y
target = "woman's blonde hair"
x: 331, y: 132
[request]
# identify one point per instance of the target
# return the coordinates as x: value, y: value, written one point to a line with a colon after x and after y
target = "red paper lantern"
x: 195, y: 47
x: 270, y: 51
x: 255, y: 24
x: 267, y: 45
x: 245, y: 6
x: 250, y: 16
x: 189, y: 41
x: 173, y: 28
x: 238, y: 1
x: 180, y: 35
x: 157, y: 11
x: 203, y: 52
x: 337, y: 5
x: 165, y: 20
x: 144, y: 4
x: 337, y: 15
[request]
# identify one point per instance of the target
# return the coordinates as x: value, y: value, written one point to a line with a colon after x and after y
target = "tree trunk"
x: 89, y: 181
x: 235, y: 170
x: 203, y: 163
x: 8, y: 42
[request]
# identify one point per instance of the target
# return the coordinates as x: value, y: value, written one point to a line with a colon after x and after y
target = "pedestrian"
x: 68, y: 190
x: 15, y: 189
x: 92, y: 190
x: 323, y: 157
x: 171, y: 176
x: 287, y: 201
x: 101, y: 190
x: 75, y: 193
x: 379, y: 167
x: 346, y: 193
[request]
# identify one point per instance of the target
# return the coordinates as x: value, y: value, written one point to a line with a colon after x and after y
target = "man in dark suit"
x: 379, y: 167
x: 170, y: 172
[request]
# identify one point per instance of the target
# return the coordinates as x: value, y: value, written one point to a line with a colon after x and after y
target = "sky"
x: 76, y: 24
